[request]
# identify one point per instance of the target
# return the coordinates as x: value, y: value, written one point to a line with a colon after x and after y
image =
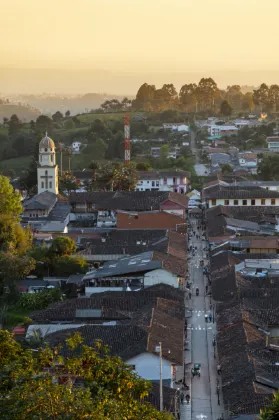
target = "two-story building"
x: 237, y: 196
x: 173, y: 180
x: 221, y: 130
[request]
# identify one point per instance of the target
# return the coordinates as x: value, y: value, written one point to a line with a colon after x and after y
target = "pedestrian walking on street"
x: 188, y: 398
x: 219, y: 369
x: 214, y: 342
x: 192, y: 371
x: 205, y: 317
x: 210, y: 317
x: 190, y: 295
x: 181, y: 397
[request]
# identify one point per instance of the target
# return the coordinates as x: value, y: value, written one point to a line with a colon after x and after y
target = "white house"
x: 175, y: 181
x: 147, y: 365
x: 273, y: 143
x: 180, y: 127
x: 76, y: 145
x: 222, y: 130
x: 135, y: 272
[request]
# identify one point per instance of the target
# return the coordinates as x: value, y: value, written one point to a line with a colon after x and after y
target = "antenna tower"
x: 127, y: 150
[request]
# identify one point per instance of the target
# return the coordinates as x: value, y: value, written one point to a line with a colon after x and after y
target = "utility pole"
x: 161, y: 378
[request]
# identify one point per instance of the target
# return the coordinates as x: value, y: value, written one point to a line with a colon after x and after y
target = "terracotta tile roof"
x: 169, y: 331
x: 113, y: 304
x: 127, y: 200
x: 172, y: 264
x: 127, y: 341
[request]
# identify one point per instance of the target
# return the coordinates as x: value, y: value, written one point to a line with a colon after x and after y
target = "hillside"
x: 24, y: 113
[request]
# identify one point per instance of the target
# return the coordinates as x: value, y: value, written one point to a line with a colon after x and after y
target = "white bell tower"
x: 47, y: 172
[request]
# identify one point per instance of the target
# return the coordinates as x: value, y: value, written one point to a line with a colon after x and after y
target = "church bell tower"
x: 47, y: 171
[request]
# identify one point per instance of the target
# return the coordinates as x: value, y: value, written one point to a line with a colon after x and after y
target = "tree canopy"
x: 42, y: 384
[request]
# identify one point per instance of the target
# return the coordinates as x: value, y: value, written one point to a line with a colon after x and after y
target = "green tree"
x: 226, y: 168
x: 206, y: 93
x: 125, y: 177
x: 67, y: 182
x: 67, y: 113
x: 144, y: 98
x: 43, y: 124
x: 111, y: 390
x: 57, y: 117
x: 271, y: 411
x: 69, y: 124
x: 188, y: 97
x: 143, y: 166
x: 164, y: 152
x: 10, y: 201
x: 226, y: 109
x: 62, y: 245
x: 67, y: 265
x: 273, y: 97
x: 261, y: 96
x: 268, y: 168
x: 94, y: 166
x: 234, y: 96
x: 97, y: 149
x: 14, y: 125
x: 247, y: 102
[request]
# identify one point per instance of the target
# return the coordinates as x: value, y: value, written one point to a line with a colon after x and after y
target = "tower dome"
x: 47, y: 143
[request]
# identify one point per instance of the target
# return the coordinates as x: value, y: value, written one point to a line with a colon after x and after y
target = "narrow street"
x: 201, y: 334
x: 205, y: 404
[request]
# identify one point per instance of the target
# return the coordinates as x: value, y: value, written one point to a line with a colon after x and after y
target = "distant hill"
x: 24, y: 113
x: 77, y: 104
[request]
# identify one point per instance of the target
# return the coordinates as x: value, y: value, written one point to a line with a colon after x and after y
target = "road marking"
x: 201, y: 417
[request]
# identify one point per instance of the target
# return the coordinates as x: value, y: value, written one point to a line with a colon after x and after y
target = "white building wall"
x: 47, y: 179
x: 231, y: 202
x: 163, y: 184
x: 147, y: 366
x: 160, y: 276
x: 90, y: 290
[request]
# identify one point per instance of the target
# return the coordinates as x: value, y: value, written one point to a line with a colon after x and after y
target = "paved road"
x: 204, y: 401
x: 200, y: 169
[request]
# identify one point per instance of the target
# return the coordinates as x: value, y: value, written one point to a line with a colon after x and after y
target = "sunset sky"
x: 140, y: 35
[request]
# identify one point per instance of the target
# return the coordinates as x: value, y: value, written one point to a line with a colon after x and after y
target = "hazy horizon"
x: 126, y: 43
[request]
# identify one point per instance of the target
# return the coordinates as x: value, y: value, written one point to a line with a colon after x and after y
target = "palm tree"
x: 95, y: 167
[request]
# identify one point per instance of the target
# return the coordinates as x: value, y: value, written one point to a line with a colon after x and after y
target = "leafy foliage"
x: 41, y: 385
x: 39, y: 300
x: 62, y: 245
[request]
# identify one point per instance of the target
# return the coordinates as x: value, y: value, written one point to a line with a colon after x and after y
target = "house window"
x: 227, y: 202
x: 244, y: 202
x: 253, y: 202
x: 153, y: 183
x: 147, y: 182
x: 263, y: 201
x: 174, y: 180
x: 157, y: 183
x: 50, y: 184
x: 213, y: 201
x: 42, y: 184
x: 235, y: 202
x: 273, y: 201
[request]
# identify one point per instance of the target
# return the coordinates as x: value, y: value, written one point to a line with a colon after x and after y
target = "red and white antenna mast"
x: 127, y: 150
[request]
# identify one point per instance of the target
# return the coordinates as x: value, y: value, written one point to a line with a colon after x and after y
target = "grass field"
x: 17, y: 164
x: 88, y: 118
